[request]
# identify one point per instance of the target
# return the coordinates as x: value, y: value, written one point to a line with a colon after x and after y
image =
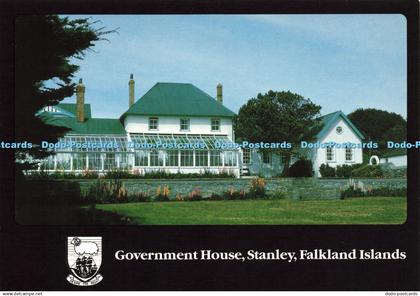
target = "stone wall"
x: 296, y: 188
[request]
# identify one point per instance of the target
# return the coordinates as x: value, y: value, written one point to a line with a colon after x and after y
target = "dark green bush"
x: 326, y: 171
x: 301, y: 168
x: 382, y: 191
x: 369, y: 171
x: 351, y: 192
x: 386, y: 191
x: 345, y: 171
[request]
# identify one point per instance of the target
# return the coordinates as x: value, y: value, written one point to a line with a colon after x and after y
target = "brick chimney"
x: 131, y: 91
x: 80, y: 101
x: 220, y: 93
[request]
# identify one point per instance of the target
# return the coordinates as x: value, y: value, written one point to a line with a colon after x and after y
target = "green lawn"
x: 372, y: 210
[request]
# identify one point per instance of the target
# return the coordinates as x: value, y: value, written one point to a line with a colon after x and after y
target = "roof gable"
x: 330, y: 119
x: 177, y: 99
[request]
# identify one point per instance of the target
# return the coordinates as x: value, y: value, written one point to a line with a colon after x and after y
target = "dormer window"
x: 184, y: 124
x: 215, y: 125
x: 153, y: 123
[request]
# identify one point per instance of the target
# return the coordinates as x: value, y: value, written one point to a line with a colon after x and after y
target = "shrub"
x: 301, y: 168
x: 234, y: 194
x: 195, y: 195
x: 257, y: 189
x: 279, y: 193
x: 382, y: 191
x: 351, y: 192
x: 368, y: 171
x: 162, y: 195
x: 139, y: 197
x: 107, y: 192
x: 88, y: 174
x: 118, y: 174
x: 387, y: 191
x: 215, y: 196
x: 179, y: 197
x: 326, y: 171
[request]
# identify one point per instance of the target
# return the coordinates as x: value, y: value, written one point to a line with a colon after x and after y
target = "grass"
x: 369, y: 210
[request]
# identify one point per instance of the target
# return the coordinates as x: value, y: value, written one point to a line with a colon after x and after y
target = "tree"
x: 276, y: 117
x: 380, y: 126
x: 44, y: 46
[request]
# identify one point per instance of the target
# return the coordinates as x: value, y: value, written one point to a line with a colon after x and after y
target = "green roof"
x: 72, y: 108
x: 395, y: 152
x: 330, y: 119
x: 177, y: 99
x: 91, y: 126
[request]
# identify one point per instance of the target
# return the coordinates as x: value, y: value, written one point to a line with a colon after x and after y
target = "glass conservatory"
x: 144, y: 152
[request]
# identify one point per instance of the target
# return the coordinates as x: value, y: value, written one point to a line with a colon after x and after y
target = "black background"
x: 34, y: 257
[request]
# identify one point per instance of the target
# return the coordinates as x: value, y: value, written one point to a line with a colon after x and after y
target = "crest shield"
x: 84, y: 258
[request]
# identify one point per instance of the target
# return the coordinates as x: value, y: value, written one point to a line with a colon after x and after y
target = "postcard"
x: 257, y: 147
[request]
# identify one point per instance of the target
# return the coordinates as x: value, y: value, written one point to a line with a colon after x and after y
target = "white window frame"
x: 181, y: 124
x: 332, y: 153
x: 352, y: 154
x: 218, y: 124
x: 157, y: 123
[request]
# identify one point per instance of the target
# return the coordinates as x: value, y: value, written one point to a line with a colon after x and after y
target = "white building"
x: 396, y: 157
x: 176, y: 127
x: 336, y: 128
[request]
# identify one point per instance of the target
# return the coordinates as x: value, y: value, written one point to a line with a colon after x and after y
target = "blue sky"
x: 341, y: 62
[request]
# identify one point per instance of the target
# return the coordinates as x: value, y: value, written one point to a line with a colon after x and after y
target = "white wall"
x: 340, y: 153
x: 171, y: 125
x: 400, y: 160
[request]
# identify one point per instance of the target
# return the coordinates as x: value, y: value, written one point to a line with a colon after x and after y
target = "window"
x: 49, y: 163
x: 215, y: 125
x: 215, y: 159
x: 123, y: 161
x: 63, y: 161
x: 330, y: 154
x: 184, y: 124
x: 153, y: 123
x: 339, y: 129
x: 140, y: 158
x: 349, y: 154
x: 156, y: 158
x: 95, y: 162
x: 201, y: 158
x: 172, y: 158
x: 110, y: 163
x: 79, y: 161
x: 246, y: 154
x: 187, y: 158
x: 266, y: 156
x: 230, y: 158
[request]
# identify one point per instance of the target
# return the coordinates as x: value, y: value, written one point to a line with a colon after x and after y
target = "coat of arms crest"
x: 84, y: 257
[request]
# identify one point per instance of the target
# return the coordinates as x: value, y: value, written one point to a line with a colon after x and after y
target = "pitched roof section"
x: 177, y: 99
x: 395, y: 152
x: 92, y: 126
x: 330, y: 119
x: 72, y: 108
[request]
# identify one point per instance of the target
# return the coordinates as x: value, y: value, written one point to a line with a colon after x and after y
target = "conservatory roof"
x: 186, y: 141
x: 92, y: 143
x: 116, y: 143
